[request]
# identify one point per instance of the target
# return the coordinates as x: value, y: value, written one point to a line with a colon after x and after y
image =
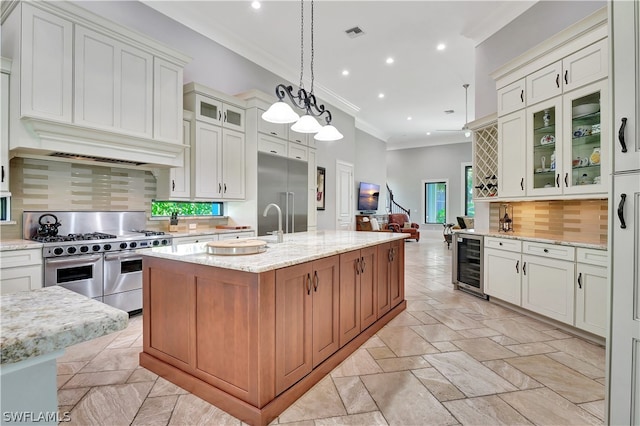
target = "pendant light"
x: 467, y: 132
x: 280, y: 112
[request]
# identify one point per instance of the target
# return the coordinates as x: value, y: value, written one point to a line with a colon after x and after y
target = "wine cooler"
x: 467, y: 263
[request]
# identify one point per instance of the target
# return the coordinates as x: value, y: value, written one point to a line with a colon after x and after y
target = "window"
x: 469, y: 209
x: 185, y: 208
x: 436, y: 201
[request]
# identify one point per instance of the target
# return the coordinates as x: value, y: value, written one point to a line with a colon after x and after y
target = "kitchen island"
x: 251, y: 334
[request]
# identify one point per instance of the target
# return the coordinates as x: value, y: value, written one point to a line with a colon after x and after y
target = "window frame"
x: 463, y: 167
x: 181, y: 216
x: 424, y: 201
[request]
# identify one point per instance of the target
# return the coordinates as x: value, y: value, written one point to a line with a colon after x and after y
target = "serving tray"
x: 236, y: 247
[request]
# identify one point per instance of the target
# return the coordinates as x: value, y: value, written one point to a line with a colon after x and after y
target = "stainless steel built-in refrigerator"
x: 282, y: 181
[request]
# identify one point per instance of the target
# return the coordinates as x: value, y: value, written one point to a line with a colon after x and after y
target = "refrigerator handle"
x: 286, y: 213
x: 293, y: 211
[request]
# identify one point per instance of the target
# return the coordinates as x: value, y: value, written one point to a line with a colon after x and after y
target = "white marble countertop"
x: 209, y: 232
x: 529, y: 237
x: 297, y: 248
x: 42, y: 321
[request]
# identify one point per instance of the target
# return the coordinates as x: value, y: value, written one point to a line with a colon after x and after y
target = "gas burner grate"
x: 73, y: 237
x: 148, y: 233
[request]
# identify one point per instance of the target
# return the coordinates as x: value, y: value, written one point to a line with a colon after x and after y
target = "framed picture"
x: 320, y: 195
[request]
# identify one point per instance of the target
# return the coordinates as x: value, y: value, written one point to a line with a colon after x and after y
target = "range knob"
x: 84, y: 249
x: 96, y: 247
x: 165, y: 242
x: 106, y: 247
x: 123, y: 245
x: 133, y: 245
x: 156, y: 242
x: 71, y: 250
x: 58, y: 251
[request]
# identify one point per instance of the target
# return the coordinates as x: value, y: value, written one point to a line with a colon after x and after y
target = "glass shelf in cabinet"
x: 587, y: 118
x: 545, y: 129
x: 588, y: 166
x: 586, y: 140
x: 544, y: 172
x: 546, y: 147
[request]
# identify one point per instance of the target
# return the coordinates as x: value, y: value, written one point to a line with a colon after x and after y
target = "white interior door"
x: 344, y: 196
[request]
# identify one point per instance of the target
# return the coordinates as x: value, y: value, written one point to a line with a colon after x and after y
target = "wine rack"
x: 485, y: 160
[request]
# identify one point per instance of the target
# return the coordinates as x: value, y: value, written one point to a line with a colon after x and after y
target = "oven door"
x: 123, y: 280
x: 82, y: 274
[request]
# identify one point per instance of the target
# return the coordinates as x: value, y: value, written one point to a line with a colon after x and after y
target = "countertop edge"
x: 512, y: 236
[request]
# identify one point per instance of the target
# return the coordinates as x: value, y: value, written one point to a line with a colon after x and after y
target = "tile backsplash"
x: 38, y: 184
x: 566, y: 220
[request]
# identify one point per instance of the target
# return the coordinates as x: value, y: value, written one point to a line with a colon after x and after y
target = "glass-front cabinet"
x: 544, y: 162
x: 567, y: 144
x: 586, y: 149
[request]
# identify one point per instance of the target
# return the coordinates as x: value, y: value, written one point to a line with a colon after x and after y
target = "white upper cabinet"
x: 233, y: 165
x: 586, y: 66
x: 4, y: 126
x: 175, y: 183
x: 278, y: 130
x: 545, y: 83
x: 91, y: 88
x: 210, y: 108
x: 167, y: 100
x: 113, y: 84
x: 47, y: 68
x: 511, y: 98
x: 512, y: 154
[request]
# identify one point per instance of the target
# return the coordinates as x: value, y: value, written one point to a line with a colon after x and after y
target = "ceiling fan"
x: 464, y: 128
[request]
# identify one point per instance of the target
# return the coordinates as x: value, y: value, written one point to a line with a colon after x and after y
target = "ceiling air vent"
x: 97, y: 159
x: 354, y: 32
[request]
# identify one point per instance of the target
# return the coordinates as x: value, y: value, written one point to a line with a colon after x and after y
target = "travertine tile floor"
x: 450, y: 358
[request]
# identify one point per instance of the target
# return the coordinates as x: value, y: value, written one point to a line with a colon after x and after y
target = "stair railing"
x: 393, y: 206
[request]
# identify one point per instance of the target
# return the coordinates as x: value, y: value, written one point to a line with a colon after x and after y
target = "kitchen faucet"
x: 279, y: 233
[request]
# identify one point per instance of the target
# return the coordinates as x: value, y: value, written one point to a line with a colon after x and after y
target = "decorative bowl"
x: 585, y: 109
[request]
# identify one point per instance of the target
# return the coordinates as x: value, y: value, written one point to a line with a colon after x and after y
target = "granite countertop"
x: 529, y: 237
x: 42, y: 321
x: 9, y: 245
x: 209, y: 232
x: 297, y: 248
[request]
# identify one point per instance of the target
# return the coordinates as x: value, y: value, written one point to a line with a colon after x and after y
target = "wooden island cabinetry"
x: 251, y: 334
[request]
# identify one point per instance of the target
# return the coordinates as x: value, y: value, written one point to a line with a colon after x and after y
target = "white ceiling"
x: 422, y: 82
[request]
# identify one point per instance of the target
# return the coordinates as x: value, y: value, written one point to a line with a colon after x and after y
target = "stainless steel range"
x: 94, y: 253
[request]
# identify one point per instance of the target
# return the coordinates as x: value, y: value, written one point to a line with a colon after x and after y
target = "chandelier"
x: 281, y: 113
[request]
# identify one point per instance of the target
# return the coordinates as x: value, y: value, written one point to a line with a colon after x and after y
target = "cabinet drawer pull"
x: 522, y: 95
x: 308, y: 284
x: 219, y: 115
x: 522, y: 184
x: 316, y: 281
x: 500, y: 243
x: 518, y: 267
x: 524, y: 268
x: 558, y: 80
x: 225, y: 117
x: 225, y: 188
x: 623, y: 144
x: 580, y: 280
x: 623, y: 198
x: 275, y: 152
x: 2, y: 173
x: 566, y: 77
x: 173, y: 182
x: 274, y: 133
x: 546, y: 250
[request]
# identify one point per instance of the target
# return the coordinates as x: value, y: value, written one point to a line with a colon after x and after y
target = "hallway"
x: 450, y: 358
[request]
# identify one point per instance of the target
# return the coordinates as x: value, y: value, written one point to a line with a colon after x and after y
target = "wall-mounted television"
x: 368, y: 195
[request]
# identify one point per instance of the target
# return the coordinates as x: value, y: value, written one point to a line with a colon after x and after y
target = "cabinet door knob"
x: 558, y: 180
x: 225, y: 188
x: 219, y: 188
x: 316, y: 281
x: 362, y: 265
x: 357, y: 265
x: 500, y: 243
x: 518, y: 267
x: 558, y: 80
x: 623, y: 198
x: 566, y: 77
x: 308, y: 284
x: 522, y: 95
x: 524, y: 268
x: 546, y: 250
x: 2, y: 173
x: 522, y: 184
x: 580, y: 280
x: 623, y: 144
x: 173, y: 184
x: 566, y: 180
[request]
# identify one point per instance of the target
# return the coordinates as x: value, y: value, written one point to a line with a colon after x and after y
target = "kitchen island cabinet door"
x: 368, y: 286
x: 390, y: 276
x: 349, y: 296
x: 396, y: 272
x: 548, y: 287
x: 294, y: 326
x: 326, y: 296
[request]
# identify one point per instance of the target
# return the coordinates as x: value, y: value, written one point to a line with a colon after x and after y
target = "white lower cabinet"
x: 548, y: 287
x: 21, y: 270
x: 592, y: 288
x: 561, y: 282
x: 194, y: 239
x: 502, y: 275
x: 236, y: 235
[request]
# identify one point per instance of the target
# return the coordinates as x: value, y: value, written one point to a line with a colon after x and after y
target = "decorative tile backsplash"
x: 566, y: 220
x: 56, y: 185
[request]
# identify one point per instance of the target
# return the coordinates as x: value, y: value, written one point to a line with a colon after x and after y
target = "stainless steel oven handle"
x: 118, y: 256
x: 73, y: 259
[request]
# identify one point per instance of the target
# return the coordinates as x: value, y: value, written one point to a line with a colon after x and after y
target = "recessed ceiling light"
x: 345, y: 72
x: 255, y: 4
x: 441, y: 46
x: 428, y: 133
x: 381, y: 95
x: 389, y: 60
x: 409, y: 118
